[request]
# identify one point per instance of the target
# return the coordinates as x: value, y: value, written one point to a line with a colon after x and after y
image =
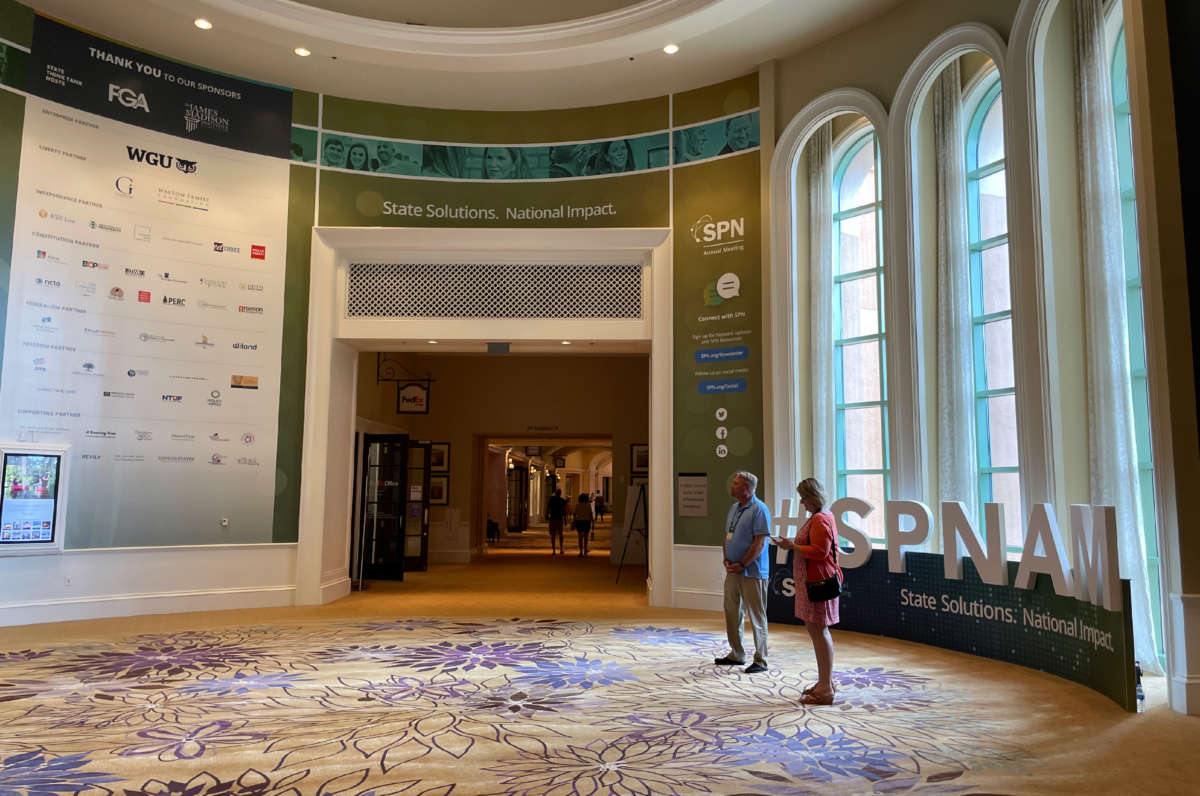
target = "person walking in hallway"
x: 747, y: 526
x: 583, y: 522
x: 556, y: 514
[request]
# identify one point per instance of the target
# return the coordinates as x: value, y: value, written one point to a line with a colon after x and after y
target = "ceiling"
x: 482, y: 54
x: 473, y: 14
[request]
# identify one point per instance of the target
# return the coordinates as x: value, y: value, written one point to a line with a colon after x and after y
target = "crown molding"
x: 692, y: 17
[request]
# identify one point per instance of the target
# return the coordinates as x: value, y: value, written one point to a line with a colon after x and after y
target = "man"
x: 390, y: 160
x: 333, y: 151
x: 747, y: 526
x: 689, y: 144
x: 737, y: 135
x: 556, y: 510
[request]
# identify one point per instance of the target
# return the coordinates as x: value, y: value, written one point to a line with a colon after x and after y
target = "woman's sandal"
x: 811, y: 697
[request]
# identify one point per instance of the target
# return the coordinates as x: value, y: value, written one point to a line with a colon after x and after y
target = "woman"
x: 616, y: 156
x: 815, y: 560
x: 357, y: 157
x: 583, y: 522
x: 504, y: 163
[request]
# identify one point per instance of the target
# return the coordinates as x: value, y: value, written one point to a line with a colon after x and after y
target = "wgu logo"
x: 139, y: 155
x: 706, y: 231
x: 128, y: 97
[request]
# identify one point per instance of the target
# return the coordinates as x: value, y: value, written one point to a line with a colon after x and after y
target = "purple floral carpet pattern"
x: 507, y: 707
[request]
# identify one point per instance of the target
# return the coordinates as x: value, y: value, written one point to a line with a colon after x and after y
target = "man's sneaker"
x: 755, y: 668
x: 727, y: 661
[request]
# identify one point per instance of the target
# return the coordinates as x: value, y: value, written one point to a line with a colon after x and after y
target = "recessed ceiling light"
x: 671, y: 49
x: 433, y: 342
x: 303, y: 52
x: 566, y: 342
x: 203, y: 24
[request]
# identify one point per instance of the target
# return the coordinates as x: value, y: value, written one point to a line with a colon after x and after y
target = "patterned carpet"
x: 433, y: 707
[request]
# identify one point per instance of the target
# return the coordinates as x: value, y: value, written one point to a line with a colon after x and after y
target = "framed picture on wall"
x: 560, y: 461
x: 439, y: 490
x: 439, y: 457
x: 639, y: 458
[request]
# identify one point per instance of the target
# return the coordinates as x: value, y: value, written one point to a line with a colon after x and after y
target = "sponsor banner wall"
x: 145, y: 311
x: 718, y: 323
x: 1030, y: 627
x: 102, y: 77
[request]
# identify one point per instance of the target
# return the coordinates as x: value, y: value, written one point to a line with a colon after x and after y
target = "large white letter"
x: 862, y: 545
x: 958, y: 532
x: 786, y: 525
x: 1044, y: 528
x: 1096, y: 572
x: 898, y: 539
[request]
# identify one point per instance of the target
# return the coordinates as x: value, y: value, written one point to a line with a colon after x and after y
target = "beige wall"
x: 473, y: 397
x: 875, y: 55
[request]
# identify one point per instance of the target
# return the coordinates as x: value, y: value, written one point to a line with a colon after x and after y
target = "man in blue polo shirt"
x: 747, y: 526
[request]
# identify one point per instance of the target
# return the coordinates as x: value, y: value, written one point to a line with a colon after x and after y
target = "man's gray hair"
x: 749, y: 478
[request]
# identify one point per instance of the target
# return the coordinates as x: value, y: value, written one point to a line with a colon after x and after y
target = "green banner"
x: 718, y: 338
x: 631, y: 200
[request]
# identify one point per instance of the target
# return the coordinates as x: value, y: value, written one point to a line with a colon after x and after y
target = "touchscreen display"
x: 30, y: 494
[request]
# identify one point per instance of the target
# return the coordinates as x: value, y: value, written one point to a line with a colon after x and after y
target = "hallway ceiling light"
x: 566, y: 342
x: 303, y: 52
x: 671, y: 49
x: 203, y: 24
x: 432, y: 342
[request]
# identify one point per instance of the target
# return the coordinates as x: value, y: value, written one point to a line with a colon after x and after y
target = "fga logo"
x: 124, y: 186
x: 128, y: 97
x: 706, y: 231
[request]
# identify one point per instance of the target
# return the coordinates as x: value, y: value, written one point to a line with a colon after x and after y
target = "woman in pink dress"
x: 816, y: 559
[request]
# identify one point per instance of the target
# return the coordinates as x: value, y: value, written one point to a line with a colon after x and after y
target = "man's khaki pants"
x: 743, y: 596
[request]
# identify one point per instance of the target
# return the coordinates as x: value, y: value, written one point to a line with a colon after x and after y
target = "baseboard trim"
x: 335, y: 589
x: 112, y: 605
x: 698, y: 599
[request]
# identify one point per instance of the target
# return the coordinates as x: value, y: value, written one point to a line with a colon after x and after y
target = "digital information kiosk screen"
x: 29, y: 498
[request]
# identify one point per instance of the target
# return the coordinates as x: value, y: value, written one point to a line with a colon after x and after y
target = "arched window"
x: 1137, y: 329
x: 999, y: 479
x: 860, y: 394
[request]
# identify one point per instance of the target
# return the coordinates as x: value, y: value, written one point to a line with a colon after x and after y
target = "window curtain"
x: 957, y: 462
x: 820, y: 309
x: 1112, y: 456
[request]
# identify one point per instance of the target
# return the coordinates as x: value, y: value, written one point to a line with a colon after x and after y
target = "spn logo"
x: 705, y: 230
x: 139, y: 155
x: 128, y: 97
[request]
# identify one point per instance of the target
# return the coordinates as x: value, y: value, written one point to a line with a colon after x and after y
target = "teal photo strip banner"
x: 458, y: 162
x: 714, y: 139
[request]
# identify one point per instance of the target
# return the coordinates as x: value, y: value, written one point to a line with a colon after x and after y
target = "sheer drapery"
x: 1112, y: 454
x: 957, y: 462
x: 820, y: 309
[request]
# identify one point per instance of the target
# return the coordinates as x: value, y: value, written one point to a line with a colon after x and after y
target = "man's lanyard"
x: 737, y: 518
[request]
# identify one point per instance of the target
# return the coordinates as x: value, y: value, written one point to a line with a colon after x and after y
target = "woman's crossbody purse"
x: 825, y: 590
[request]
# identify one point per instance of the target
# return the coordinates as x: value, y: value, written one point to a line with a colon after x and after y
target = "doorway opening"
x: 539, y: 472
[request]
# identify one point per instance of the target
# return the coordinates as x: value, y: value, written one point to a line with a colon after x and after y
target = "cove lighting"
x: 203, y: 24
x: 432, y: 342
x: 566, y: 342
x: 303, y: 52
x: 671, y: 49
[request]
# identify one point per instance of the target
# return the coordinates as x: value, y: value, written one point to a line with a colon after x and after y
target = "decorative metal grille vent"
x: 486, y: 290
